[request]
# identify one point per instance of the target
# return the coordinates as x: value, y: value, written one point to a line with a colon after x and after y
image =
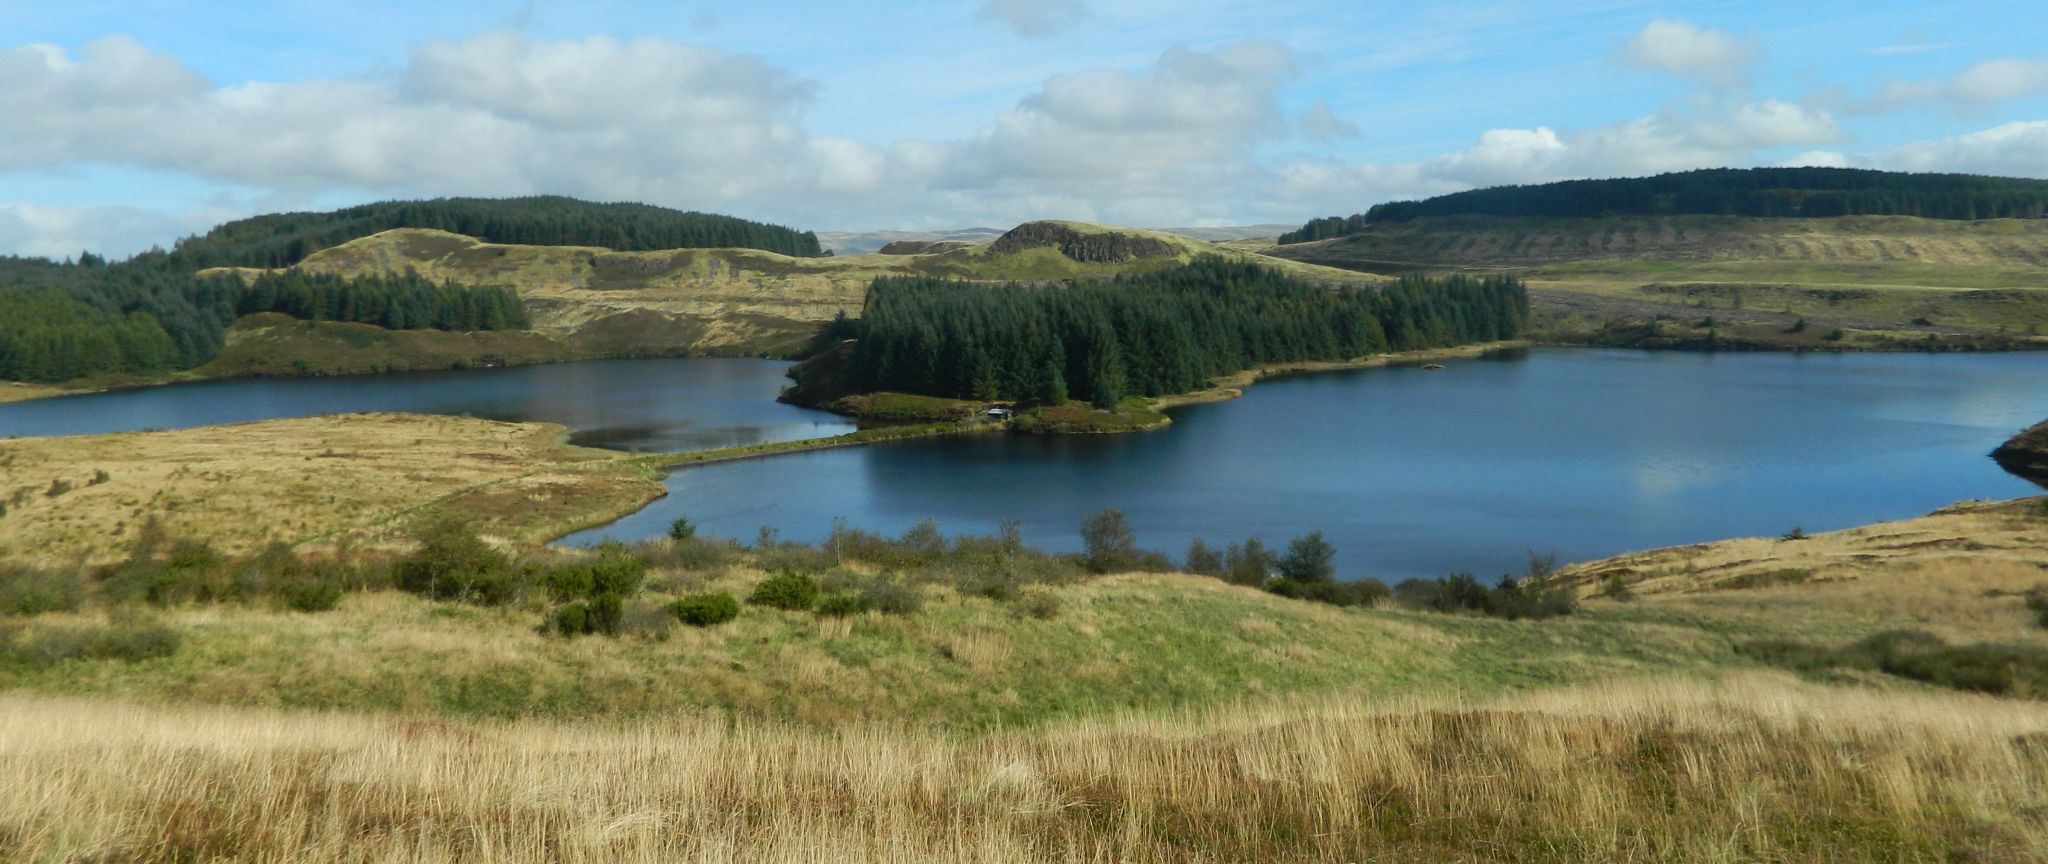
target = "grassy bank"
x: 876, y: 435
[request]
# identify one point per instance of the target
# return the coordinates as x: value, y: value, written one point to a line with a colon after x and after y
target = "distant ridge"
x: 1761, y: 192
x: 283, y: 239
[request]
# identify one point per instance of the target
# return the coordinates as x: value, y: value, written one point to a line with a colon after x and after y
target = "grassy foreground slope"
x: 1131, y: 716
x: 1748, y: 768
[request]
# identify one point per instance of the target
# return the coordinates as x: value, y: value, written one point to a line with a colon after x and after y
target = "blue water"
x: 646, y: 405
x: 1582, y: 453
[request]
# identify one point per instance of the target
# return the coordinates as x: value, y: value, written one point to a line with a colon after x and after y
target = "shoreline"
x: 13, y: 392
x: 1232, y: 386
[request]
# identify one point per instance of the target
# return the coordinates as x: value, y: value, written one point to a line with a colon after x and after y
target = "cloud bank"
x: 1192, y: 136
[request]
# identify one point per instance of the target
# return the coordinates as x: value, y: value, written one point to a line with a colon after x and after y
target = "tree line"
x: 1145, y: 335
x: 62, y: 322
x: 1761, y: 192
x: 283, y: 239
x: 404, y: 302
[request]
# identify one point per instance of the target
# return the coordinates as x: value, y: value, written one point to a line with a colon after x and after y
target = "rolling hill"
x: 599, y: 302
x: 1597, y: 252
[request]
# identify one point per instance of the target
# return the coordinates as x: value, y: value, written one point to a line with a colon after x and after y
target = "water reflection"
x: 1413, y: 472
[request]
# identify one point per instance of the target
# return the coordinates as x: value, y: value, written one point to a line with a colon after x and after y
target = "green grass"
x: 966, y: 662
x: 1133, y: 414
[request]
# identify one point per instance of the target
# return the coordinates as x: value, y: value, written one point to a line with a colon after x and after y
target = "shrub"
x: 453, y: 563
x: 992, y: 581
x: 571, y: 620
x: 682, y: 531
x: 189, y: 573
x: 2037, y: 602
x: 314, y: 590
x: 1039, y: 603
x: 841, y: 605
x: 24, y: 591
x: 1107, y: 544
x: 647, y: 620
x: 786, y: 590
x: 1365, y: 592
x: 1617, y: 589
x: 2018, y: 670
x: 705, y: 610
x: 123, y: 639
x: 1836, y: 335
x: 891, y: 597
x: 696, y: 555
x: 1797, y: 533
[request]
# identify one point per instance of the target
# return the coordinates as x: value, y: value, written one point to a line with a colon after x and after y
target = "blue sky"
x: 129, y: 124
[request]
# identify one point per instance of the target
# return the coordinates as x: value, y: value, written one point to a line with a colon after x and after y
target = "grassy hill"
x: 597, y: 302
x: 1883, y: 280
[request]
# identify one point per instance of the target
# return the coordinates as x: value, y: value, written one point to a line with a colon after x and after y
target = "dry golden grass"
x: 294, y: 481
x: 1986, y: 539
x: 1743, y: 768
x: 17, y: 391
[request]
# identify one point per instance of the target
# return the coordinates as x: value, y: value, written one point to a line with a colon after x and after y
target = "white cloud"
x: 2000, y: 81
x: 1689, y: 51
x: 2012, y: 149
x: 1669, y: 141
x: 1987, y: 83
x: 62, y: 232
x: 1124, y: 143
x: 494, y: 114
x: 1322, y: 125
x: 1817, y: 159
x: 1035, y: 19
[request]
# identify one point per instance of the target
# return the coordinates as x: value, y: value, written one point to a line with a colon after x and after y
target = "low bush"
x: 1365, y: 592
x: 1039, y: 603
x: 454, y: 564
x: 841, y: 605
x: 571, y: 619
x: 124, y: 639
x: 1536, y: 598
x: 25, y: 591
x: 705, y: 610
x: 892, y: 597
x: 2006, y: 670
x: 695, y: 555
x: 793, y: 591
x: 2037, y: 602
x: 596, y: 590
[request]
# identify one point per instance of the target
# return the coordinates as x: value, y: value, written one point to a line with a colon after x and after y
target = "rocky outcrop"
x: 923, y: 247
x: 2026, y: 454
x: 1106, y: 247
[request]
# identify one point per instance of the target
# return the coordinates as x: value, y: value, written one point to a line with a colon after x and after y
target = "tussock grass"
x: 1742, y: 768
x: 312, y: 480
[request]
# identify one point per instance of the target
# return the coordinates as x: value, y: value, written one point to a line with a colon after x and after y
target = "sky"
x: 130, y: 124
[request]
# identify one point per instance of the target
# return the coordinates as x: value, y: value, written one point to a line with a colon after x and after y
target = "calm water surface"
x: 1409, y: 472
x: 647, y: 405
